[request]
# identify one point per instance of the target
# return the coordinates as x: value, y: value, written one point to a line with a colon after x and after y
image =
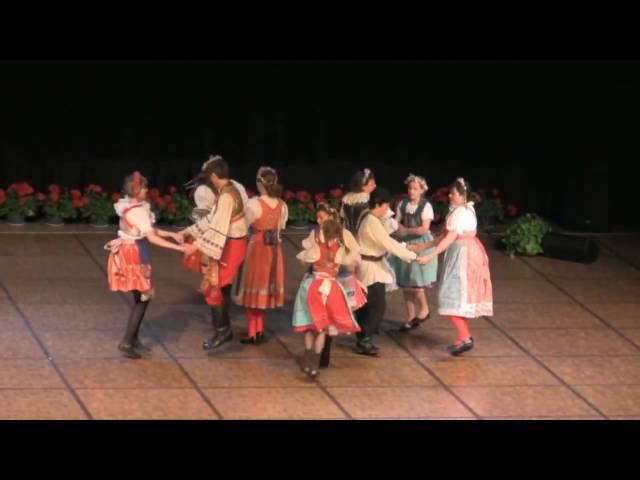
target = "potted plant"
x: 56, y: 207
x: 301, y: 210
x: 526, y: 235
x: 18, y: 203
x: 95, y: 206
x: 178, y: 208
x: 489, y: 210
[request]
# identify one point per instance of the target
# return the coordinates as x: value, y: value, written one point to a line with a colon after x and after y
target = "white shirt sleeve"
x: 284, y: 216
x: 378, y: 232
x: 253, y: 210
x: 139, y: 217
x: 427, y: 212
x: 462, y: 220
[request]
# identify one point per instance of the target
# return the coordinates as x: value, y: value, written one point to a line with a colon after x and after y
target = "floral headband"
x: 262, y: 171
x: 461, y: 181
x: 419, y: 180
x: 327, y: 208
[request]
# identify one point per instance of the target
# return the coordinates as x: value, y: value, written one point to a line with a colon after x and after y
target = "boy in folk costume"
x: 220, y: 236
x: 465, y: 289
x: 261, y: 278
x: 205, y: 197
x: 129, y: 264
x: 356, y: 202
x: 373, y: 272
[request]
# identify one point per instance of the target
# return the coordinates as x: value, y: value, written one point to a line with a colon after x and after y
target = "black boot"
x: 126, y: 346
x: 215, y: 323
x: 305, y: 363
x: 325, y: 358
x: 314, y: 364
x: 137, y: 344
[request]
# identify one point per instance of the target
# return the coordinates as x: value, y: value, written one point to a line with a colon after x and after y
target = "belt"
x: 369, y: 258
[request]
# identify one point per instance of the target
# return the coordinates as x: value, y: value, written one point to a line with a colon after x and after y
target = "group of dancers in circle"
x: 354, y: 257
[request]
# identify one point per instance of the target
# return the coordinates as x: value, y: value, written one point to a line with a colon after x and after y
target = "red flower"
x: 288, y: 195
x: 94, y: 188
x: 171, y: 208
x: 172, y: 190
x: 161, y: 203
x: 41, y: 197
x: 24, y: 200
x: 85, y: 200
x: 54, y: 196
x: 54, y: 188
x: 301, y: 205
x: 154, y: 193
x: 512, y: 210
x: 167, y: 198
x: 336, y: 192
x: 76, y: 194
x: 115, y: 197
x: 3, y: 196
x: 303, y: 196
x: 22, y: 189
x: 319, y: 197
x: 495, y: 192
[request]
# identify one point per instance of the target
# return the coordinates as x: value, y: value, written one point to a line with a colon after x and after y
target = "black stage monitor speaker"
x: 572, y: 248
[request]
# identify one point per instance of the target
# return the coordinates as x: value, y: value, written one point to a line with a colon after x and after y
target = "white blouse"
x: 253, y: 209
x: 427, y: 211
x: 462, y: 219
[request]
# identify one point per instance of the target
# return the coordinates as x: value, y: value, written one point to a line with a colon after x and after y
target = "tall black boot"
x: 222, y: 322
x: 137, y: 344
x: 126, y: 346
x: 325, y: 357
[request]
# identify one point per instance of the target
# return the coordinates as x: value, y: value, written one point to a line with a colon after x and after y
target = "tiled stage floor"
x: 564, y: 344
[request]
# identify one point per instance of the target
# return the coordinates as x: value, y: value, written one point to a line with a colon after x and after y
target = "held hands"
x: 424, y: 260
x: 179, y: 239
x: 189, y: 249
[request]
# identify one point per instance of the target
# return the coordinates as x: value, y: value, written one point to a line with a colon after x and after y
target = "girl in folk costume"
x: 205, y: 197
x: 355, y: 290
x: 373, y: 272
x: 129, y: 264
x: 415, y: 214
x: 465, y: 288
x: 220, y: 236
x: 261, y: 279
x: 321, y: 305
x: 356, y: 202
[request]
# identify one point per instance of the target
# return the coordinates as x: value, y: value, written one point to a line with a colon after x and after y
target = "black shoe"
x: 465, y: 346
x: 128, y: 351
x: 222, y: 336
x: 410, y: 325
x: 365, y: 347
x: 249, y: 340
x: 260, y: 338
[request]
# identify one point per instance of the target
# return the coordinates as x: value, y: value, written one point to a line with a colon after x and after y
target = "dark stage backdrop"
x: 553, y: 135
